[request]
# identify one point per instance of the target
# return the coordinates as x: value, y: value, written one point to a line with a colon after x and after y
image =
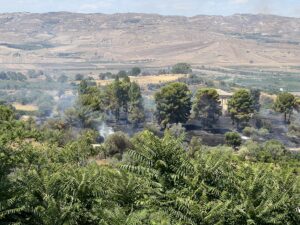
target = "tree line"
x: 121, y: 98
x: 176, y: 104
x: 12, y: 76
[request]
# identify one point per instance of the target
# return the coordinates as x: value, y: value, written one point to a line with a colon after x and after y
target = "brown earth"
x: 87, y: 42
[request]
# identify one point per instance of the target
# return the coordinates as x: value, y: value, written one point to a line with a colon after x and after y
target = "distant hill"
x: 90, y: 41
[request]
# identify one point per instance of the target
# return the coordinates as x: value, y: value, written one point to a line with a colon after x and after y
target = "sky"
x: 164, y: 7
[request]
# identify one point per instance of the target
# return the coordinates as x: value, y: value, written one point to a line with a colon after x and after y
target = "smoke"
x: 264, y: 7
x: 105, y: 130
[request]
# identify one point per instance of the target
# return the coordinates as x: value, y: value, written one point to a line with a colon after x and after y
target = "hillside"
x: 72, y: 41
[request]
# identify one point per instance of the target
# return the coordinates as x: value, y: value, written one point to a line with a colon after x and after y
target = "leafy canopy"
x: 285, y: 103
x: 240, y: 106
x: 173, y: 104
x: 207, y: 106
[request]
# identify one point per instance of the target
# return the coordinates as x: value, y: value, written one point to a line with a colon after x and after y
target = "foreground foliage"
x: 158, y: 181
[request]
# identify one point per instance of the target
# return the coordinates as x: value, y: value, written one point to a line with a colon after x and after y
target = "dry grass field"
x: 91, y: 42
x: 26, y: 108
x: 144, y: 80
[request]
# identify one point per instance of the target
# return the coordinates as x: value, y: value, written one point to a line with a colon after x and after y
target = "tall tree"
x: 92, y: 98
x: 124, y: 95
x: 113, y: 96
x: 136, y: 107
x: 78, y: 117
x: 83, y: 85
x: 173, y: 104
x: 285, y: 103
x: 240, y: 107
x: 255, y: 94
x: 207, y: 106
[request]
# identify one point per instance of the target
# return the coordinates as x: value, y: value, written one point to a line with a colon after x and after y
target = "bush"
x: 270, y: 151
x: 176, y: 129
x: 153, y: 128
x: 275, y: 149
x: 248, y: 131
x: 294, y: 130
x: 250, y: 151
x: 233, y: 139
x: 117, y: 143
x: 254, y: 133
x: 122, y: 74
x: 6, y: 113
x: 79, y: 77
x: 135, y: 71
x: 263, y: 132
x: 182, y: 68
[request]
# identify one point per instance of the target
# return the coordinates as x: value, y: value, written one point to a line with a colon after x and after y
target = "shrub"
x: 250, y: 151
x: 79, y: 77
x: 182, y: 68
x: 275, y: 149
x: 177, y: 129
x: 233, y: 139
x: 294, y: 130
x: 122, y: 74
x: 117, y: 143
x: 153, y: 128
x: 135, y: 71
x: 263, y: 132
x: 248, y: 131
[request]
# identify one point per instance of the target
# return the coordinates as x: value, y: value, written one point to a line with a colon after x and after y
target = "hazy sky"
x: 166, y: 7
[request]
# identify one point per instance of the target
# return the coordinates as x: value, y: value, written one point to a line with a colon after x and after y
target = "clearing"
x: 145, y: 80
x: 26, y: 108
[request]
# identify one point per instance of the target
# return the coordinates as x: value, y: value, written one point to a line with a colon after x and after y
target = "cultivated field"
x: 143, y: 81
x: 25, y: 108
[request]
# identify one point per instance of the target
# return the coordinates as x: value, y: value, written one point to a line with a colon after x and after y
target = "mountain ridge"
x: 59, y: 39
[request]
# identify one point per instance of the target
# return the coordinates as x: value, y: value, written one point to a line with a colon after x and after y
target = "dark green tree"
x: 80, y: 116
x: 135, y: 71
x: 207, y: 106
x: 83, y: 85
x: 182, y: 68
x: 92, y: 98
x: 136, y: 106
x: 173, y: 104
x: 79, y: 77
x: 113, y: 96
x: 255, y: 94
x: 233, y: 139
x: 124, y: 93
x: 240, y: 107
x: 122, y: 74
x: 285, y: 103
